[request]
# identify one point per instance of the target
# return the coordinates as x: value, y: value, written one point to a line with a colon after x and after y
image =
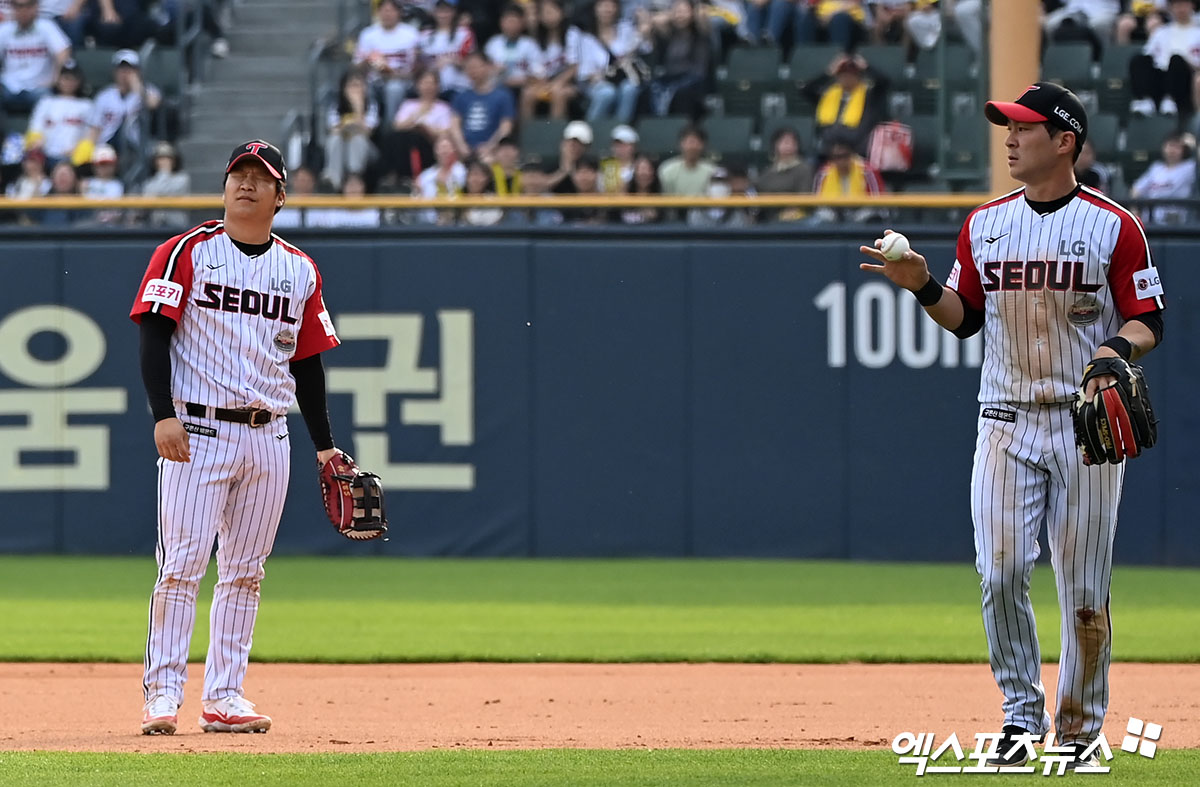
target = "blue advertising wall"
x: 573, y: 395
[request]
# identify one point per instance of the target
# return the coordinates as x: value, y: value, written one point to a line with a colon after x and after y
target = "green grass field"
x: 363, y: 610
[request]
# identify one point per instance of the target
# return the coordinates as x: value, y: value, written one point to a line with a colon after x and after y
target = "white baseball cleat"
x: 161, y: 716
x: 233, y: 714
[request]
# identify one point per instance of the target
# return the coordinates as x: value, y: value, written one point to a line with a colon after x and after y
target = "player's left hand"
x: 910, y: 271
x: 1102, y: 381
x: 325, y: 456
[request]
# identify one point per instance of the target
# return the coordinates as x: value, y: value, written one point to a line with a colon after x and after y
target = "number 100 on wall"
x: 883, y: 324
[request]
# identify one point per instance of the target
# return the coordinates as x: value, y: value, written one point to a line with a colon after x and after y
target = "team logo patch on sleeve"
x: 1147, y: 284
x: 952, y: 282
x: 326, y: 322
x: 168, y: 293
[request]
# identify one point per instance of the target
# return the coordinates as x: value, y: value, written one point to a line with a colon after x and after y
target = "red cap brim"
x: 1000, y: 112
x: 266, y: 164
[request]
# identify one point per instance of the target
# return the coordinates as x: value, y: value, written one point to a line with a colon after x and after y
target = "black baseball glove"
x: 1118, y: 422
x: 353, y: 499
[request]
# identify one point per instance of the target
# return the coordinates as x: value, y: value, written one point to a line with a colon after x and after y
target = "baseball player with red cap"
x: 232, y: 324
x: 1056, y: 274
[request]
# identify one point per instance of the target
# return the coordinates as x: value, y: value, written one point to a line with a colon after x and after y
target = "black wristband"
x: 930, y: 293
x: 1120, y: 345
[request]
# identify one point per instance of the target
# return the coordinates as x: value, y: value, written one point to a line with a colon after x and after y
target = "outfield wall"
x: 568, y: 394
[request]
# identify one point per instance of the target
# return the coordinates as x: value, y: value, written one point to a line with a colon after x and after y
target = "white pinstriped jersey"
x: 240, y: 320
x: 1052, y: 288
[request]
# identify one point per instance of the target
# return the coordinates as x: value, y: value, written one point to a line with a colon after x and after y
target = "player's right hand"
x: 910, y: 271
x: 171, y: 439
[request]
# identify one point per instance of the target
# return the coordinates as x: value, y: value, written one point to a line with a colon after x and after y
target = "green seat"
x: 965, y: 145
x: 809, y: 61
x: 960, y: 72
x: 1146, y: 134
x: 1068, y: 63
x: 1113, y: 87
x: 659, y: 136
x: 729, y: 135
x: 164, y: 67
x: 96, y: 65
x: 1103, y: 131
x: 888, y: 59
x: 750, y: 73
x: 540, y: 140
x: 602, y: 135
x: 754, y: 64
x: 927, y: 139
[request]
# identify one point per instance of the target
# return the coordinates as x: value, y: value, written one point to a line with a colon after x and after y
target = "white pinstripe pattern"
x: 231, y: 493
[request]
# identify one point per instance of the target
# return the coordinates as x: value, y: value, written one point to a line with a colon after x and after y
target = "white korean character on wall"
x: 453, y: 382
x: 79, y: 455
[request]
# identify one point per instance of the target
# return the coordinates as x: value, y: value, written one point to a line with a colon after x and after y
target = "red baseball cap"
x: 1043, y: 102
x: 265, y: 152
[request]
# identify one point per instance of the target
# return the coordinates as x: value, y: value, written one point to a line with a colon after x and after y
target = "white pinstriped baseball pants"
x: 231, y: 492
x: 1029, y: 471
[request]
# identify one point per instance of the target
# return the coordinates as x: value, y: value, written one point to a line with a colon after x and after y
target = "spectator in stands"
x: 391, y: 50
x: 576, y: 143
x: 445, y: 46
x: 968, y: 16
x: 788, y: 172
x: 1140, y: 21
x: 302, y: 182
x: 837, y: 22
x: 479, y: 183
x: 68, y: 15
x: 584, y: 179
x: 484, y: 114
x: 768, y: 21
x: 690, y: 172
x: 1164, y: 75
x: 609, y: 61
x: 34, y: 50
x: 169, y: 180
x: 32, y: 181
x: 644, y: 181
x: 1091, y: 172
x: 1087, y: 20
x: 515, y: 55
x: 617, y: 170
x: 445, y: 178
x: 354, y: 188
x: 845, y: 174
x: 349, y: 126
x: 63, y: 183
x: 887, y: 21
x: 407, y: 147
x: 209, y: 19
x: 923, y: 24
x: 732, y: 180
x: 851, y: 95
x: 506, y: 168
x: 118, y: 23
x: 1171, y: 177
x: 553, y: 82
x: 117, y: 118
x: 104, y: 184
x: 682, y: 58
x: 59, y: 124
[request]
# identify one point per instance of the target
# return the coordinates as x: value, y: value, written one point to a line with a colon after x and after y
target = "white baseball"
x: 894, y: 246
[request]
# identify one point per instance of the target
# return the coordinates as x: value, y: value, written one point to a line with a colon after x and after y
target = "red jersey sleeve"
x: 316, y: 328
x: 168, y: 280
x: 964, y: 276
x: 1134, y: 281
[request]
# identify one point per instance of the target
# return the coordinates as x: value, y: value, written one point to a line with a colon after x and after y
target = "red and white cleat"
x: 233, y: 714
x: 161, y: 717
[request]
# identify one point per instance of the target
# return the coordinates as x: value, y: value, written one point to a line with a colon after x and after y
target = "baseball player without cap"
x: 265, y: 152
x: 1043, y: 102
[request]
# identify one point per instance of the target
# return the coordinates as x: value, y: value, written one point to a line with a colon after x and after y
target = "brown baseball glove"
x: 353, y: 499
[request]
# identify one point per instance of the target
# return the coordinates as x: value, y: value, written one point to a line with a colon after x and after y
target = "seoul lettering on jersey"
x: 253, y: 302
x: 1036, y: 275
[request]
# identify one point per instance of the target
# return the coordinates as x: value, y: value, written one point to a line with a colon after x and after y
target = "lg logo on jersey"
x: 283, y: 286
x: 1036, y: 275
x: 233, y: 299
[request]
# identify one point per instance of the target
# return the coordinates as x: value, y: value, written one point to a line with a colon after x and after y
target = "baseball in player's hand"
x: 909, y: 271
x: 171, y: 439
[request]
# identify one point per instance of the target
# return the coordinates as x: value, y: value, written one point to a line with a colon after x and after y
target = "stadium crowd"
x: 441, y: 97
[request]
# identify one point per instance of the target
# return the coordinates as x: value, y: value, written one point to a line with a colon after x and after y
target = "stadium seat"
x: 965, y: 145
x: 755, y: 64
x: 1113, y: 88
x: 1069, y: 63
x: 750, y: 73
x: 927, y: 137
x: 729, y: 135
x: 96, y: 65
x: 810, y: 61
x: 888, y: 59
x: 1147, y: 133
x: 659, y: 136
x: 602, y: 135
x: 540, y: 140
x: 1104, y: 131
x: 164, y: 67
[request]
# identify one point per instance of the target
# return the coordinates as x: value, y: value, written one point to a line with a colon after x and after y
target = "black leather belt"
x: 254, y: 418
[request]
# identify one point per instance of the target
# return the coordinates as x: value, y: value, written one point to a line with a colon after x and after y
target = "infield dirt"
x: 404, y: 707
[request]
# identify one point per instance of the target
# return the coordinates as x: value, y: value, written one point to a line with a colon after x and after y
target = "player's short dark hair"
x: 1054, y: 131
